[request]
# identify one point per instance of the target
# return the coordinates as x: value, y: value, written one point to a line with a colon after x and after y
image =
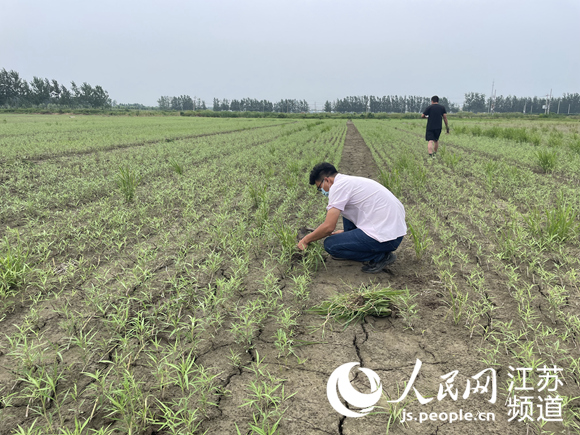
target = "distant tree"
x: 65, y: 97
x: 13, y: 90
x: 235, y: 106
x: 475, y: 102
x: 16, y: 92
x: 164, y: 103
x: 40, y: 91
x: 175, y: 103
x: 327, y: 107
x: 187, y: 103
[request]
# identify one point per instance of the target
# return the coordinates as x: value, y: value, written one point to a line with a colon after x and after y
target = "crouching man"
x: 373, y: 219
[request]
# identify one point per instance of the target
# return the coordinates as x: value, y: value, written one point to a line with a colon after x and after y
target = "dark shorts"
x: 433, y: 135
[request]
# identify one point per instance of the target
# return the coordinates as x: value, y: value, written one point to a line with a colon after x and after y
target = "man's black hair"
x: 435, y: 98
x: 320, y: 171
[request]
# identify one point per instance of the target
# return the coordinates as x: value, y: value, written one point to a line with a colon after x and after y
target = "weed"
x: 301, y: 283
x: 554, y: 141
x: 177, y: 167
x: 449, y: 159
x: 354, y: 306
x: 286, y: 236
x: 257, y: 194
x: 14, y: 268
x: 127, y: 181
x: 559, y: 225
x: 574, y: 146
x: 547, y: 159
x: 391, y: 181
x: 284, y: 342
x: 420, y: 237
x: 406, y: 308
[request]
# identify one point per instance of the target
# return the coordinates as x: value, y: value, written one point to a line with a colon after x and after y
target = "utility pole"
x: 491, y: 96
x: 547, y: 108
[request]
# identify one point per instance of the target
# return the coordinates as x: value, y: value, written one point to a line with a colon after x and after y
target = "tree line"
x: 385, y: 104
x: 183, y: 102
x: 478, y: 103
x: 15, y: 92
x: 253, y: 105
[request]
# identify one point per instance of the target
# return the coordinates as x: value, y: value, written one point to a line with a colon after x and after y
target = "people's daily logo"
x: 339, y: 382
x: 521, y: 401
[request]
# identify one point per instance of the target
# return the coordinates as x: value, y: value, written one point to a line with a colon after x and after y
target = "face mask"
x: 324, y: 192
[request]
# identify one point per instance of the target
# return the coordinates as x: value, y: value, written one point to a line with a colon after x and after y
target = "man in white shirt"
x: 373, y: 219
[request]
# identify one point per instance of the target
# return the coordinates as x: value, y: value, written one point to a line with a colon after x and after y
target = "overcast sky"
x: 315, y: 50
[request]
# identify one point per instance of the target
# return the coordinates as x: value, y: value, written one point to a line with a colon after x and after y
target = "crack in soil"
x: 341, y: 425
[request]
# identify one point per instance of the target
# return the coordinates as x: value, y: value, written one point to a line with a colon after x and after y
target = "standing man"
x: 373, y: 219
x: 434, y: 113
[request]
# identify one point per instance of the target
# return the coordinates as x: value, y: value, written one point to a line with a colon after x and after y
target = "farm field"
x: 150, y: 284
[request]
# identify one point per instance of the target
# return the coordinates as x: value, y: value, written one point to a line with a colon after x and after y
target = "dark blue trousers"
x: 354, y: 244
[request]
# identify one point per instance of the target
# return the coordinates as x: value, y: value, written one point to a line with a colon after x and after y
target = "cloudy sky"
x: 315, y: 50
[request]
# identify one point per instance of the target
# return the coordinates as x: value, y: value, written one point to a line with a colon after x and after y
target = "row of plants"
x: 507, y: 238
x: 48, y: 136
x: 141, y: 281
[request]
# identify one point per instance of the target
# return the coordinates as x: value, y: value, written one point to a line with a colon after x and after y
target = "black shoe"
x: 376, y: 267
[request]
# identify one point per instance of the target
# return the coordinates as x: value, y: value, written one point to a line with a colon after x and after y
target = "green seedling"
x: 420, y: 236
x: 14, y: 268
x: 406, y: 308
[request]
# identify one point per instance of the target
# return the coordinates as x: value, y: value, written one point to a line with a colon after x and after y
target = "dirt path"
x: 356, y: 155
x: 387, y: 346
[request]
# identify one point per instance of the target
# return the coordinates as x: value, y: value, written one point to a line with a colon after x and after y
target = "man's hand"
x: 302, y: 245
x: 447, y: 130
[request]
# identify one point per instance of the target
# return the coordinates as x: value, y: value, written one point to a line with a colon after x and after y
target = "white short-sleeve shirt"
x: 369, y: 205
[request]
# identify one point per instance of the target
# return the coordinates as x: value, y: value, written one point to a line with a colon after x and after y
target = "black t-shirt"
x: 435, y: 113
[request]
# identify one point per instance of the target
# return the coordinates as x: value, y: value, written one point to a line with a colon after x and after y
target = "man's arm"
x: 446, y: 123
x: 325, y: 229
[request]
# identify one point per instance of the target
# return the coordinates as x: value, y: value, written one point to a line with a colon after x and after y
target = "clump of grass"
x: 128, y: 180
x: 420, y: 237
x: 547, y: 159
x: 176, y: 166
x: 406, y: 308
x: 575, y: 146
x: 257, y: 194
x: 13, y: 268
x: 560, y: 223
x: 535, y: 139
x: 554, y: 141
x: 404, y: 161
x: 391, y: 180
x: 354, y: 306
x: 449, y: 159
